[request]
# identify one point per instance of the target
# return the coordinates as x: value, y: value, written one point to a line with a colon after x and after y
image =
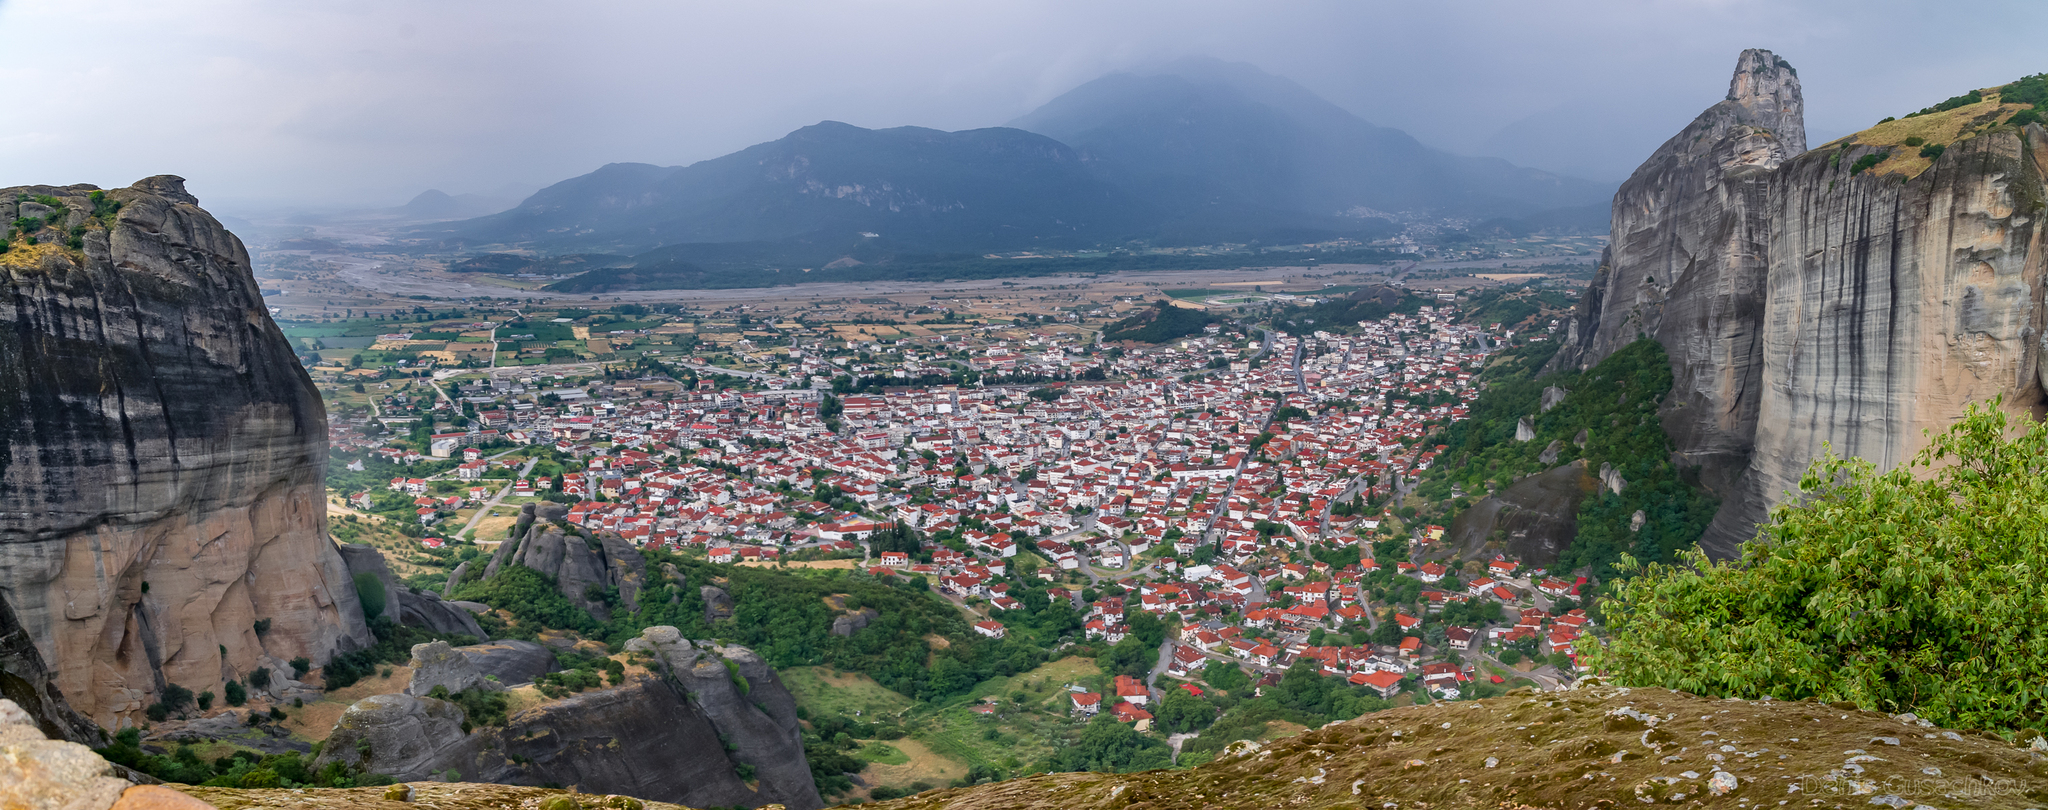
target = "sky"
x: 267, y: 105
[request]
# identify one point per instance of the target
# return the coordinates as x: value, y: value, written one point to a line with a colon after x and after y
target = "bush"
x: 1867, y: 162
x: 236, y: 695
x: 1932, y: 151
x: 370, y: 590
x: 1901, y: 591
x: 277, y: 713
x: 260, y: 677
x: 301, y: 666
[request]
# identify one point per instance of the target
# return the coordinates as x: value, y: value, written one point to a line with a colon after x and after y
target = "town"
x: 1241, y: 485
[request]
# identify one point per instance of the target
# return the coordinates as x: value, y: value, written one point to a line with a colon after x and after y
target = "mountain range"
x: 1198, y: 152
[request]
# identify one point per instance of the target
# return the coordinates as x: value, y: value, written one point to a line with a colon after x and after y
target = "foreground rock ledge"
x: 425, y: 795
x: 1591, y: 747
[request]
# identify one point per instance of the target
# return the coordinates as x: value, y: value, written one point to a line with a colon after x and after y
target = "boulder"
x: 37, y: 773
x: 405, y: 737
x: 1550, y: 452
x: 511, y: 661
x: 437, y: 664
x: 1552, y: 395
x: 717, y: 603
x: 852, y: 623
x: 1525, y: 429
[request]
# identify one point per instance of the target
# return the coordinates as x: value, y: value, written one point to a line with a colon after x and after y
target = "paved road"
x: 498, y: 498
x: 1159, y: 667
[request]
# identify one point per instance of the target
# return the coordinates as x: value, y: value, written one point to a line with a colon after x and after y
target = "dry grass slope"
x: 1593, y: 747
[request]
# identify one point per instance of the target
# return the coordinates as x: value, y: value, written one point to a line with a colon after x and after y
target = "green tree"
x: 1181, y: 712
x: 1911, y: 590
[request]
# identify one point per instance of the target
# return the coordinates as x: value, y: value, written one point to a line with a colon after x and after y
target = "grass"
x: 1944, y: 128
x: 823, y: 691
x: 883, y: 753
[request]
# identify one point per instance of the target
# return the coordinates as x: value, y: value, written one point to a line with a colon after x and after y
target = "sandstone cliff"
x: 161, y: 454
x: 676, y: 732
x: 1855, y: 295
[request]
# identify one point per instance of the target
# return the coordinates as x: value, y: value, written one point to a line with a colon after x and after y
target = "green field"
x: 825, y: 692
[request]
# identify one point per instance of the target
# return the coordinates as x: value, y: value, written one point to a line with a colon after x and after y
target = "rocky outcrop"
x: 1808, y: 298
x: 586, y: 568
x: 409, y: 606
x: 1534, y: 518
x: 39, y: 773
x: 717, y: 603
x: 161, y: 455
x: 511, y: 661
x: 854, y: 622
x: 676, y: 733
x: 26, y: 682
x: 437, y: 664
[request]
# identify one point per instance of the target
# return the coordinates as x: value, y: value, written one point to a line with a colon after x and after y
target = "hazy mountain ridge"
x: 1209, y: 153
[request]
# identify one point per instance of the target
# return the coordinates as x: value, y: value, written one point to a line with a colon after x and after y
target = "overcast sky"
x: 267, y: 103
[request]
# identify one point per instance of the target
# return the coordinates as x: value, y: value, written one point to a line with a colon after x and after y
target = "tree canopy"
x: 1918, y: 589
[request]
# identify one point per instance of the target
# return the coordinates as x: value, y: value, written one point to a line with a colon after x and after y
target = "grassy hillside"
x: 1615, y: 405
x: 1160, y: 323
x: 1912, y: 143
x: 1593, y: 747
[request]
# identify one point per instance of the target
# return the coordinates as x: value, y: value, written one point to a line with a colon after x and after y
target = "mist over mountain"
x: 1218, y: 133
x: 1200, y: 152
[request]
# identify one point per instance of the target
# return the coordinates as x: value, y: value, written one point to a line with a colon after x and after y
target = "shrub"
x: 301, y: 666
x: 260, y: 677
x: 236, y: 695
x: 1932, y: 151
x: 1901, y: 591
x: 259, y: 778
x: 205, y: 700
x: 277, y: 713
x: 1914, y: 141
x: 370, y: 590
x: 1868, y: 161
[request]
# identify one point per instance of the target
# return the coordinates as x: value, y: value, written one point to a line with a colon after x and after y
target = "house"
x: 1411, y: 647
x: 1086, y: 703
x: 1186, y: 662
x: 895, y: 559
x: 1386, y: 683
x: 1133, y: 714
x: 1460, y: 638
x: 989, y: 628
x: 1133, y: 690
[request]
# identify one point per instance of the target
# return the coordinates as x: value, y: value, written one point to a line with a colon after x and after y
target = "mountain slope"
x: 1206, y: 153
x: 984, y: 189
x: 1216, y: 133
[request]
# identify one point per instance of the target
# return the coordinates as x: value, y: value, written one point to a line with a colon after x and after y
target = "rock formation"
x: 676, y: 733
x: 409, y: 606
x: 161, y: 454
x: 583, y: 566
x: 511, y: 661
x: 437, y: 664
x: 1810, y: 297
x: 717, y: 603
x: 1536, y: 517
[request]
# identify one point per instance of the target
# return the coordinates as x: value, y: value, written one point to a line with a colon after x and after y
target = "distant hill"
x: 1159, y: 323
x: 977, y: 190
x: 1202, y: 153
